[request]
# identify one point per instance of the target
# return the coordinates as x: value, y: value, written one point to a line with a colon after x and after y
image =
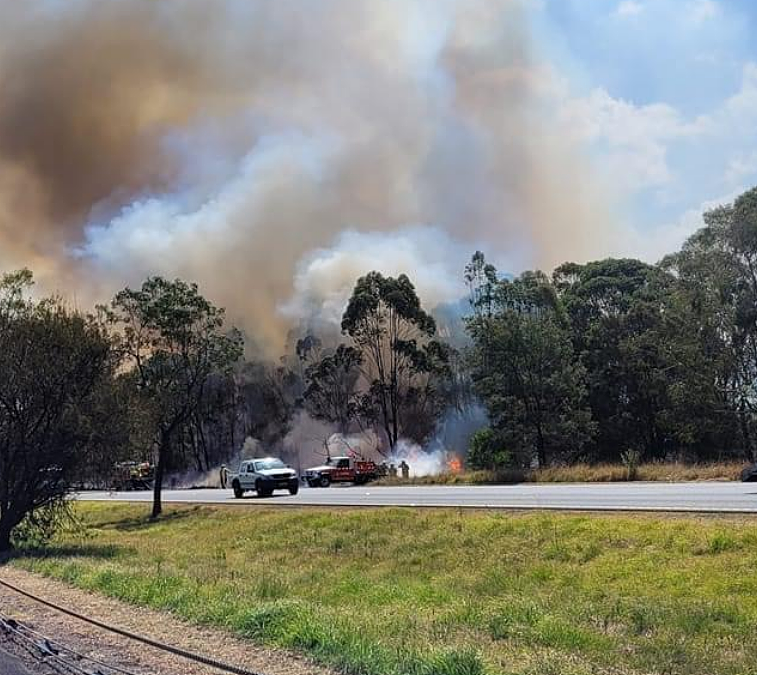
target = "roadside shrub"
x: 39, y: 526
x: 487, y: 452
x: 631, y: 460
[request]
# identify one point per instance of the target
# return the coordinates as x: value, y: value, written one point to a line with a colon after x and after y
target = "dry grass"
x: 584, y: 473
x: 605, y: 473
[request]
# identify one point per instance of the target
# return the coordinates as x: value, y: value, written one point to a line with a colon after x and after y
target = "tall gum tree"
x: 524, y: 371
x: 400, y: 356
x: 173, y: 339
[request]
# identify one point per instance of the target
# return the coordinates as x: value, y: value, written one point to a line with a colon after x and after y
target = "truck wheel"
x: 312, y: 483
x: 262, y: 491
x: 325, y: 481
x: 294, y: 489
x: 238, y: 492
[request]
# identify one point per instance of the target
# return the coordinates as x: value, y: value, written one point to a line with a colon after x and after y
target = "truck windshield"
x: 267, y: 464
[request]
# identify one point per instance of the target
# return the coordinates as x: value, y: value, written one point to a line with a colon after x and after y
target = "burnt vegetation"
x: 612, y: 361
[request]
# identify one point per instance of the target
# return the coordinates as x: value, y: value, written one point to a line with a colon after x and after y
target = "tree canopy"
x: 399, y: 355
x: 52, y: 361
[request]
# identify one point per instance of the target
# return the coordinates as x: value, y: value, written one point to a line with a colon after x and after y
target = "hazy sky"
x: 664, y: 95
x: 274, y: 150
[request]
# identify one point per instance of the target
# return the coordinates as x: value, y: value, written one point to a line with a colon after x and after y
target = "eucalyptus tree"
x: 174, y: 341
x: 401, y: 360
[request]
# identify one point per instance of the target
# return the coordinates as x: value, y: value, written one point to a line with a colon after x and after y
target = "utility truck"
x: 264, y: 475
x: 132, y: 476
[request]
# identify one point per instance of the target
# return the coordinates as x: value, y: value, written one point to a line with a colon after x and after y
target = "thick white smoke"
x: 271, y: 149
x: 325, y: 278
x: 422, y: 462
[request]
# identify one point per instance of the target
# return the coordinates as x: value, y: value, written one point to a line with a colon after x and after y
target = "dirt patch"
x: 125, y: 653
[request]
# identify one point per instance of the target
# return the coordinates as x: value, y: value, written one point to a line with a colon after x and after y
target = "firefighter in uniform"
x: 224, y: 475
x: 405, y: 468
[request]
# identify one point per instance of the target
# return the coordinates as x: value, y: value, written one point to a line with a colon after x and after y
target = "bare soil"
x: 125, y: 653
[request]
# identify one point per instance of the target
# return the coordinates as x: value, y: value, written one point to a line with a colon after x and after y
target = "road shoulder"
x: 160, y: 626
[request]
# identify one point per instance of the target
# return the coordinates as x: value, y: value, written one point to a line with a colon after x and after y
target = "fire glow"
x: 455, y: 465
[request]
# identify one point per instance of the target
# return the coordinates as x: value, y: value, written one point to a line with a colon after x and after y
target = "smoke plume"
x: 271, y: 150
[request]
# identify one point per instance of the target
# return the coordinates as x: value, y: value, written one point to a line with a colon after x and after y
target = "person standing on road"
x: 405, y: 468
x: 224, y: 475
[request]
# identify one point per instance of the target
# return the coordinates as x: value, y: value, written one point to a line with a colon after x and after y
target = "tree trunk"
x: 5, y: 534
x: 395, y: 425
x: 157, y: 502
x: 541, y: 452
x: 746, y: 437
x: 746, y: 433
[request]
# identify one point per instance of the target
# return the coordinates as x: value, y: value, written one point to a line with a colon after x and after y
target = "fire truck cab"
x: 132, y: 476
x: 341, y: 470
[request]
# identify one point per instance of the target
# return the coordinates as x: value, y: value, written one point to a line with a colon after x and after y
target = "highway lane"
x: 703, y: 497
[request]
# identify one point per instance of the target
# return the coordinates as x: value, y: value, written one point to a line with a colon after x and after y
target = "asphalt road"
x: 703, y: 497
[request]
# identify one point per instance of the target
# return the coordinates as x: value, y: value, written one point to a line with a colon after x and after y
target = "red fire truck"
x: 341, y: 470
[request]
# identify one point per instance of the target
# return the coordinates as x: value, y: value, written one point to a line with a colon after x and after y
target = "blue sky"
x: 666, y: 94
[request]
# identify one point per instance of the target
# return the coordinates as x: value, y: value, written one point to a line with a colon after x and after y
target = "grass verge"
x: 448, y: 592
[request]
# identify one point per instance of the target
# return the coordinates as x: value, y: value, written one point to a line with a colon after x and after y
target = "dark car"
x: 749, y: 475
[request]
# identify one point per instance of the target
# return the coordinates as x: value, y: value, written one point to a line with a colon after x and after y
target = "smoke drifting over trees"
x: 274, y: 152
x: 613, y: 360
x: 237, y: 143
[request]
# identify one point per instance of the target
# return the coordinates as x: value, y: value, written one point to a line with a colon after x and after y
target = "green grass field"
x: 438, y: 591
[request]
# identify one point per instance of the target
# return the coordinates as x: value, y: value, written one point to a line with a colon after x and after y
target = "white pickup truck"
x: 264, y: 475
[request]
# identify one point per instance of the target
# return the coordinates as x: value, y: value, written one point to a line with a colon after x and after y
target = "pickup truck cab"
x: 264, y: 475
x: 341, y: 470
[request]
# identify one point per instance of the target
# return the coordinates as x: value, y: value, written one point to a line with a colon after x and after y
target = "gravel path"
x: 122, y: 652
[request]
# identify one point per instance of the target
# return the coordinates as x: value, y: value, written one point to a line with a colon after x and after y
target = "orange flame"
x: 455, y: 465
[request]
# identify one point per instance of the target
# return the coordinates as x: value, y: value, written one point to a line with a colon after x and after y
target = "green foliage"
x: 40, y: 525
x: 616, y: 309
x: 523, y: 369
x: 487, y: 451
x: 715, y: 303
x: 52, y: 362
x: 331, y: 392
x: 662, y: 358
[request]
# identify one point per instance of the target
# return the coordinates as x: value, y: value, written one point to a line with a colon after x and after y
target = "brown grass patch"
x: 584, y: 473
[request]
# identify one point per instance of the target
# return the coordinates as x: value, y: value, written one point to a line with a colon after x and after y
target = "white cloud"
x: 632, y: 143
x: 629, y: 8
x: 740, y: 109
x: 700, y: 11
x: 668, y: 238
x: 634, y: 138
x: 741, y: 166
